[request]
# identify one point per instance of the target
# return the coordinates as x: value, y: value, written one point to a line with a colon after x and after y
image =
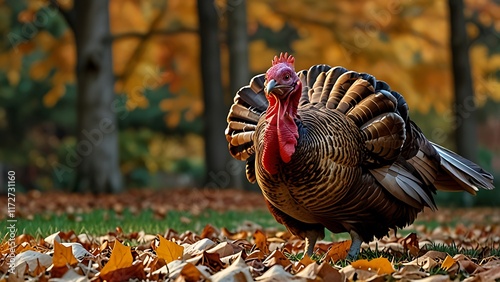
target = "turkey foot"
x: 355, y: 246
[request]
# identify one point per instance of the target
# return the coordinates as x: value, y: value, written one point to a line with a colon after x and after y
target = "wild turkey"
x: 336, y: 149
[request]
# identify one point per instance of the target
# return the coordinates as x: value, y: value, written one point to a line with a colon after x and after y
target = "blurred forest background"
x: 156, y: 79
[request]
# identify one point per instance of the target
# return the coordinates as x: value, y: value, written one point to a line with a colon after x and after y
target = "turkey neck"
x: 281, y: 133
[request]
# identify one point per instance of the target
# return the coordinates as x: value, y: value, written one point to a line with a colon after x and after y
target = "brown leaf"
x: 190, y: 273
x: 328, y: 273
x: 410, y: 244
x: 260, y: 240
x: 136, y: 270
x: 209, y: 232
x: 212, y: 261
x: 234, y: 236
x: 338, y: 251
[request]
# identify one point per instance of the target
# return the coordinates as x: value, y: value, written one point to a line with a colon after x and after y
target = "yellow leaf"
x: 63, y: 255
x: 121, y: 257
x: 447, y: 263
x: 380, y: 265
x: 168, y: 250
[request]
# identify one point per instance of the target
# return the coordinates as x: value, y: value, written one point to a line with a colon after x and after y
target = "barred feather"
x: 360, y: 163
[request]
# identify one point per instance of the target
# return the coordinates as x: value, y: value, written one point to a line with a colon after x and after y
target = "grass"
x: 100, y: 222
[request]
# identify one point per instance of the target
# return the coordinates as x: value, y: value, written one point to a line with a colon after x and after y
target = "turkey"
x: 336, y: 149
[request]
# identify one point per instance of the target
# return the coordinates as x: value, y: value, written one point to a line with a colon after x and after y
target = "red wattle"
x: 280, y: 137
x: 287, y: 131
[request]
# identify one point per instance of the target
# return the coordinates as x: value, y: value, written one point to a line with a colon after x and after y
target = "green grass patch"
x: 100, y: 222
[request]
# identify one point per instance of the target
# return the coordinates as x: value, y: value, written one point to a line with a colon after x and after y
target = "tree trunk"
x: 239, y: 73
x: 97, y: 147
x: 218, y: 171
x: 465, y: 121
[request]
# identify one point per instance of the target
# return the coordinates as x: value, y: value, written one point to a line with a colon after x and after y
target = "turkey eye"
x: 287, y: 76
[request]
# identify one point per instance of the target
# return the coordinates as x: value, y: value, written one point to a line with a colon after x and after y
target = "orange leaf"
x: 380, y: 265
x: 190, y: 273
x: 447, y: 263
x: 121, y: 257
x: 261, y: 241
x: 168, y: 250
x: 63, y: 255
x: 338, y: 251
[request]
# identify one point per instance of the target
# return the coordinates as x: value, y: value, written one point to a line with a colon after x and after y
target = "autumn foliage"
x: 219, y: 255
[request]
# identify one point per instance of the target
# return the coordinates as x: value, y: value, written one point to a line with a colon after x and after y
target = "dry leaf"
x: 238, y: 271
x: 168, y: 250
x: 63, y: 255
x: 378, y: 265
x: 338, y: 251
x: 29, y: 260
x: 121, y: 257
x: 277, y: 273
x: 190, y: 273
x: 260, y: 240
x: 447, y: 263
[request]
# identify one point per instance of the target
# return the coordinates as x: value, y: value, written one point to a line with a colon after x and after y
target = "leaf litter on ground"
x: 468, y: 251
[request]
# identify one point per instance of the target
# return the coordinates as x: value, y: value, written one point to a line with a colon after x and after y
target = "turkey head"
x: 283, y: 89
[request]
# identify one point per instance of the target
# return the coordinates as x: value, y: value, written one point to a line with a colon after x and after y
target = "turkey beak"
x: 278, y: 90
x: 270, y: 86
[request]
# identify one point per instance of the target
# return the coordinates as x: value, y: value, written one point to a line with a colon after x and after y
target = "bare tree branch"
x: 134, y: 59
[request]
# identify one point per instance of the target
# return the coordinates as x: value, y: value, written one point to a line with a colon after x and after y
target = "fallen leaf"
x: 197, y: 248
x: 277, y: 258
x: 223, y: 249
x: 168, y: 250
x: 190, y: 273
x: 436, y: 278
x: 70, y: 276
x: 278, y: 273
x: 30, y: 260
x: 62, y: 259
x: 237, y: 271
x: 338, y: 251
x: 134, y: 271
x: 212, y: 261
x: 209, y: 232
x: 410, y: 244
x: 328, y: 273
x: 234, y: 236
x: 121, y: 257
x: 79, y: 252
x: 260, y: 240
x: 379, y: 265
x: 63, y: 255
x: 447, y: 263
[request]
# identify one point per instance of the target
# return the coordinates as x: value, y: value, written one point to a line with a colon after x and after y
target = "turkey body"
x: 332, y: 189
x: 359, y: 164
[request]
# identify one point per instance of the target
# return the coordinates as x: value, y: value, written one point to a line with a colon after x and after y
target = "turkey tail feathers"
x: 468, y: 175
x: 249, y: 105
